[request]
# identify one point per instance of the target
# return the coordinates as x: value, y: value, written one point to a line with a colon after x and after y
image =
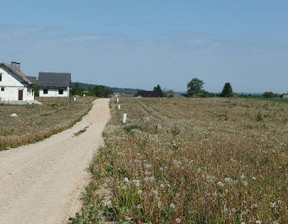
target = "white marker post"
x: 119, y: 107
x: 117, y: 100
x: 124, y: 118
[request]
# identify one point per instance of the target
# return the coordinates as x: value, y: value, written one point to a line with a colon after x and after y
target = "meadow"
x: 191, y: 161
x: 36, y: 122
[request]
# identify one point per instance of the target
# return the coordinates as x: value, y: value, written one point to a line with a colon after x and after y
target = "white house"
x: 15, y: 85
x: 54, y: 84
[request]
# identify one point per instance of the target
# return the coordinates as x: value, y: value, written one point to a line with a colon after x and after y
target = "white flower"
x: 172, y: 206
x: 147, y: 166
x: 272, y: 204
x: 152, y: 178
x: 140, y: 192
x: 242, y: 176
x: 253, y: 178
x: 228, y: 179
x: 155, y: 192
x: 147, y: 173
x: 126, y: 179
x: 162, y: 186
x: 245, y: 183
x: 139, y: 206
x: 220, y: 184
x: 178, y: 220
x: 258, y: 222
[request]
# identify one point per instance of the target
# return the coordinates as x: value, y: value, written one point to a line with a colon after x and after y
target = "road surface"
x: 42, y: 182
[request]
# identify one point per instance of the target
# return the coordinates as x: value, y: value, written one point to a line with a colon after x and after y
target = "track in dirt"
x: 42, y: 182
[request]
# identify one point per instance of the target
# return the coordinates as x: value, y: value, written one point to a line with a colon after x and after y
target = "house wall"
x: 12, y: 84
x: 54, y: 93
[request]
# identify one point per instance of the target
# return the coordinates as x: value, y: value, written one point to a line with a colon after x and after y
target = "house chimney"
x: 15, y: 65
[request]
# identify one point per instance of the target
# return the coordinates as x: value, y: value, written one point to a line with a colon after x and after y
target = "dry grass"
x: 36, y: 122
x: 196, y: 161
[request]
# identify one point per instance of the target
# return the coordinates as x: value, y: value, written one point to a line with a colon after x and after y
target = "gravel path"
x: 42, y: 182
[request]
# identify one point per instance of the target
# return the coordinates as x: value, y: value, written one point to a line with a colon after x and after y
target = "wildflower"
x: 161, y: 169
x: 155, y: 192
x: 220, y: 184
x: 245, y: 183
x: 228, y: 179
x: 126, y: 180
x: 242, y: 176
x: 147, y: 173
x: 178, y: 220
x: 152, y: 178
x: 147, y: 166
x: 253, y: 178
x: 258, y: 222
x: 172, y: 206
x: 162, y: 185
x: 140, y: 192
x: 139, y: 206
x: 137, y: 183
x: 272, y: 204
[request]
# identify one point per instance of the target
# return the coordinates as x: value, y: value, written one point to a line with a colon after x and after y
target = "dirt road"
x: 42, y: 182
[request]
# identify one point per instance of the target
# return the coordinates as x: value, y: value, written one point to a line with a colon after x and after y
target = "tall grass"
x: 36, y: 122
x: 195, y: 161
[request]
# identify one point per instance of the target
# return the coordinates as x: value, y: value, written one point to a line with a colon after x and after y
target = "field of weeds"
x: 36, y: 122
x: 192, y: 161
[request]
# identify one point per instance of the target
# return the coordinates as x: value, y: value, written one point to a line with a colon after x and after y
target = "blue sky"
x: 139, y: 44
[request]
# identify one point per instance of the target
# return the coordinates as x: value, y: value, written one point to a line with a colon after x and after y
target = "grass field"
x: 192, y: 161
x: 36, y: 122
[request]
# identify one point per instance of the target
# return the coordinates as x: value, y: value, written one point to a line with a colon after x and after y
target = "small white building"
x: 15, y: 85
x: 54, y: 84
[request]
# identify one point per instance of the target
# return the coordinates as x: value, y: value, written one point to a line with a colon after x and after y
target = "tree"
x: 76, y: 90
x: 194, y: 87
x: 268, y: 95
x: 227, y: 90
x: 101, y: 91
x: 157, y: 88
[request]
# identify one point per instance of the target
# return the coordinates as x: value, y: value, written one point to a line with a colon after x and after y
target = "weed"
x: 195, y: 169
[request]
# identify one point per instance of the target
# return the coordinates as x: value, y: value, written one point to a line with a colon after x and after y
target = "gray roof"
x: 19, y: 73
x: 53, y: 79
x: 32, y: 79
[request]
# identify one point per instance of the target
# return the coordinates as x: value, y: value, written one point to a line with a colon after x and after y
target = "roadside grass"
x: 81, y: 131
x: 275, y: 100
x: 37, y: 122
x: 191, y: 161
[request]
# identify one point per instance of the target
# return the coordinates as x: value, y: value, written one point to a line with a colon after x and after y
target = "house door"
x: 20, y: 94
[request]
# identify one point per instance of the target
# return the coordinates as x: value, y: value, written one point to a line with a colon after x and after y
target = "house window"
x: 0, y: 77
x: 60, y: 91
x: 45, y: 91
x: 2, y: 88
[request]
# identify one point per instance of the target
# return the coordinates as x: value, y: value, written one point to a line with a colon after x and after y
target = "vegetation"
x: 192, y: 160
x: 227, y: 90
x: 97, y: 90
x: 87, y: 87
x: 36, y: 122
x: 194, y: 87
x: 158, y: 89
